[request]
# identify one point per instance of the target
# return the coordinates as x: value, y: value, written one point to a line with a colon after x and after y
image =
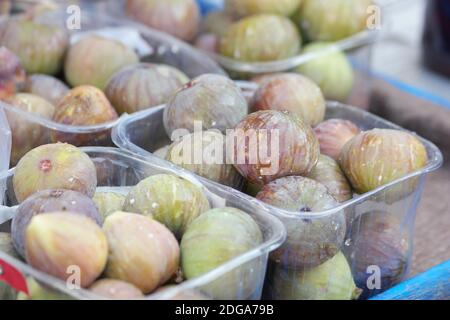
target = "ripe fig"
x: 47, y: 87
x: 261, y: 37
x: 54, y: 166
x: 273, y: 144
x: 108, y: 203
x: 243, y: 8
x: 142, y: 251
x: 180, y: 18
x: 310, y: 240
x: 40, y: 47
x: 116, y: 290
x: 216, y: 23
x: 57, y: 242
x: 214, y: 238
x: 52, y: 200
x: 142, y: 86
x: 93, y: 60
x: 333, y: 134
x: 171, y: 200
x: 291, y: 92
x: 12, y: 75
x: 214, y: 100
x: 27, y: 134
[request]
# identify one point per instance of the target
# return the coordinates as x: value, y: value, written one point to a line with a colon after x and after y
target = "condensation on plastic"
x: 118, y: 171
x: 5, y: 149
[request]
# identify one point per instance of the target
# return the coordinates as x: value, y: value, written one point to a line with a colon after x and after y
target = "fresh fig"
x: 310, y: 240
x: 116, y: 290
x: 108, y: 202
x: 12, y: 75
x: 273, y: 144
x: 54, y: 166
x: 291, y: 92
x: 142, y: 86
x: 216, y: 23
x: 53, y: 200
x: 47, y: 87
x: 214, y: 238
x: 213, y: 100
x: 142, y: 251
x: 262, y: 37
x: 333, y: 134
x: 93, y: 60
x: 244, y: 8
x: 171, y: 200
x: 180, y: 18
x: 56, y: 242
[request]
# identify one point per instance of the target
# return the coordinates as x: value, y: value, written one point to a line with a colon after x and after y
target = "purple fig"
x: 12, y: 75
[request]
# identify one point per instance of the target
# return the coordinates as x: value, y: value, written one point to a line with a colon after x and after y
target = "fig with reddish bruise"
x: 333, y: 134
x: 216, y: 23
x: 180, y: 18
x: 215, y: 238
x: 12, y: 75
x: 27, y: 134
x: 291, y: 92
x: 40, y: 47
x: 52, y: 200
x: 54, y: 166
x: 142, y: 251
x: 171, y: 200
x: 94, y: 59
x: 242, y: 8
x: 109, y: 202
x: 47, y: 87
x: 310, y: 240
x: 213, y: 100
x: 116, y: 290
x: 273, y: 144
x: 143, y: 86
x: 55, y: 242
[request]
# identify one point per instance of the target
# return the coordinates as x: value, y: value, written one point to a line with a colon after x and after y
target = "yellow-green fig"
x: 109, y: 202
x: 116, y: 290
x: 249, y: 7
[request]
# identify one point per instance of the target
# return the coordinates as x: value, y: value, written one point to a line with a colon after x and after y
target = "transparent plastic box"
x: 119, y: 170
x: 394, y: 205
x: 5, y: 149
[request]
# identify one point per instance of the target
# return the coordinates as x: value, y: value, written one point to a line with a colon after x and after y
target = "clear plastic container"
x: 5, y: 149
x: 119, y: 170
x: 143, y: 133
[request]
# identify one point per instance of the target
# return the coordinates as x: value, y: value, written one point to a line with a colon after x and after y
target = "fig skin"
x: 242, y: 8
x: 116, y: 290
x: 291, y: 92
x: 27, y: 134
x: 298, y: 146
x: 310, y: 241
x: 54, y: 166
x: 180, y: 18
x: 171, y: 200
x: 333, y: 134
x: 213, y: 99
x: 332, y: 280
x: 142, y: 251
x: 213, y: 239
x: 53, y: 200
x: 47, y: 87
x: 143, y: 86
x: 40, y: 47
x: 93, y: 60
x: 379, y: 156
x: 12, y: 75
x: 108, y: 203
x: 217, y: 23
x: 260, y: 38
x: 328, y: 173
x: 55, y: 241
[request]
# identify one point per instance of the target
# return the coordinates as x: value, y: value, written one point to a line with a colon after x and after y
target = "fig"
x: 12, y: 75
x: 54, y: 166
x: 331, y: 20
x: 331, y: 280
x: 47, y: 87
x: 243, y: 8
x: 331, y: 71
x: 93, y: 60
x: 333, y: 134
x: 208, y: 42
x: 162, y: 152
x: 261, y: 37
x: 216, y: 23
x: 142, y: 86
x: 40, y: 47
x: 379, y: 156
x: 108, y: 202
x: 116, y: 290
x: 291, y: 92
x: 171, y: 200
x: 27, y: 134
x: 204, y: 153
x: 310, y: 240
x: 214, y: 238
x: 213, y: 100
x: 53, y: 200
x: 273, y: 144
x: 328, y: 173
x: 142, y: 251
x: 56, y: 242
